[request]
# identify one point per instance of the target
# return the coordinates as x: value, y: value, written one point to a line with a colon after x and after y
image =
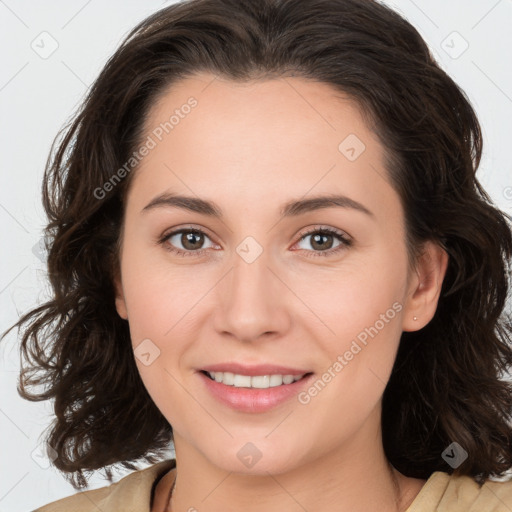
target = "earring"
x: 414, y: 318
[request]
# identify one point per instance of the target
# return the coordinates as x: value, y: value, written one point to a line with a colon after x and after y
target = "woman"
x: 268, y: 247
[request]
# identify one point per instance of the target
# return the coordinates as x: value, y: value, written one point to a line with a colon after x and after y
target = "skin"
x: 250, y: 148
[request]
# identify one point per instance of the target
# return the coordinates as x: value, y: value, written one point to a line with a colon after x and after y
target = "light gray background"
x: 39, y: 93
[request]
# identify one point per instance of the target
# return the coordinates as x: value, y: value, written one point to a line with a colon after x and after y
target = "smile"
x: 257, y: 393
x: 256, y: 381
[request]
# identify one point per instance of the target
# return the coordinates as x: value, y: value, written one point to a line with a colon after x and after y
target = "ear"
x: 425, y: 287
x: 120, y: 301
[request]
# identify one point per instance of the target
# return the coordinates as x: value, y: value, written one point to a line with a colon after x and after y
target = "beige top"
x: 441, y: 493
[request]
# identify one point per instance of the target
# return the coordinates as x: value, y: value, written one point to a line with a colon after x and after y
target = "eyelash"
x: 345, y: 242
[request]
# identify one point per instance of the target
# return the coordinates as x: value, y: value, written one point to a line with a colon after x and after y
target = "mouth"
x: 253, y: 393
x: 263, y: 390
x: 238, y: 380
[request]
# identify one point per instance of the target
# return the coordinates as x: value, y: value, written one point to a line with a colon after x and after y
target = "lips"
x: 240, y: 394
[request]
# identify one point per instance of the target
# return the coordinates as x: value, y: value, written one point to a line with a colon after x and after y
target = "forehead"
x: 258, y: 110
x: 285, y: 136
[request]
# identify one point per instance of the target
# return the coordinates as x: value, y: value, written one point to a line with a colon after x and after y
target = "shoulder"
x: 449, y: 493
x: 132, y: 492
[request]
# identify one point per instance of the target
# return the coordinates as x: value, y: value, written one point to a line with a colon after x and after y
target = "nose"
x: 253, y: 301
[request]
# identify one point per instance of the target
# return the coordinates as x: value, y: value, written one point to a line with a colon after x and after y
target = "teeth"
x: 258, y: 381
x: 242, y: 381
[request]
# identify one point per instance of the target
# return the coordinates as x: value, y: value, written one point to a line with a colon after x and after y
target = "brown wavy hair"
x: 448, y: 382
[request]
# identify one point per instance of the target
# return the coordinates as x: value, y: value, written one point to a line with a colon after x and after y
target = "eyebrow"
x: 290, y: 209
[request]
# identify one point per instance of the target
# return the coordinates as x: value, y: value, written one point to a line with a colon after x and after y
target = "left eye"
x: 322, y: 240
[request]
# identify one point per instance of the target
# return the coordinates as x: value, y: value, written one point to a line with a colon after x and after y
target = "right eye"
x: 191, y: 241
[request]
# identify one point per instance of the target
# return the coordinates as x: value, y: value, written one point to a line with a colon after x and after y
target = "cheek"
x: 160, y: 303
x: 359, y: 331
x: 159, y: 296
x: 363, y: 292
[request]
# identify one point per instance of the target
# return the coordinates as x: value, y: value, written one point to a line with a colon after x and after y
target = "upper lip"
x: 253, y: 370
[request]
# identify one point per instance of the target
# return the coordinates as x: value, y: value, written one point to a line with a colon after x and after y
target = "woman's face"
x: 260, y: 290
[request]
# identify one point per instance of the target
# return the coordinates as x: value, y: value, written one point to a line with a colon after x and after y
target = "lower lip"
x: 253, y: 399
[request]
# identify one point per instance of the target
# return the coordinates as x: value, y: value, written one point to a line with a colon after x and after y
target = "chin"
x: 258, y: 457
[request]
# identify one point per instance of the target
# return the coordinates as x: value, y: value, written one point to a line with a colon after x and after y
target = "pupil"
x: 317, y: 241
x: 189, y: 240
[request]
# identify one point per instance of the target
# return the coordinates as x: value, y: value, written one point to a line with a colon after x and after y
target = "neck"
x: 357, y: 477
